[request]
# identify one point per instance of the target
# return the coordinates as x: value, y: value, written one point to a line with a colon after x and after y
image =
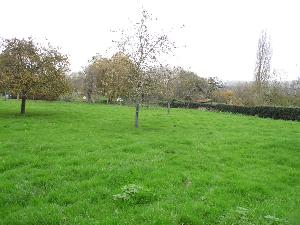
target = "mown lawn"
x: 66, y: 163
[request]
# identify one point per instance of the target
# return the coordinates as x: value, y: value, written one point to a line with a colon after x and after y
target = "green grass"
x: 66, y: 163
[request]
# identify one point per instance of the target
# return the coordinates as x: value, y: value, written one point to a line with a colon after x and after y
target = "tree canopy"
x: 111, y: 77
x: 30, y: 70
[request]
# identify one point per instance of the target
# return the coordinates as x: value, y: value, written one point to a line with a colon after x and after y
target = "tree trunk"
x: 5, y: 96
x: 137, y: 110
x: 89, y: 97
x: 23, y: 104
x: 169, y: 106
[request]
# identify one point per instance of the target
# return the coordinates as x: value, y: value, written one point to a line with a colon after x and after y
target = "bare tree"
x: 263, y: 62
x: 144, y: 48
x: 169, y: 76
x: 164, y: 87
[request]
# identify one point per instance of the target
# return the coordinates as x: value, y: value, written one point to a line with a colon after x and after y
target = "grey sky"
x: 220, y: 36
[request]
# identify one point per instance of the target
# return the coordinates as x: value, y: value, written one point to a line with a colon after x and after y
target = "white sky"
x: 220, y: 36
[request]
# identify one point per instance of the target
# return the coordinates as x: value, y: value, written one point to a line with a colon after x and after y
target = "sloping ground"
x: 66, y: 163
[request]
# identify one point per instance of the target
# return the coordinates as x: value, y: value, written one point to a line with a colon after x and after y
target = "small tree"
x: 263, y: 63
x: 90, y: 80
x: 29, y: 69
x: 144, y: 48
x: 166, y: 88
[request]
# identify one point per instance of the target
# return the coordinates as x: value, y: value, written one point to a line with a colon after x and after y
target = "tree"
x: 90, y: 79
x: 118, y: 81
x: 263, y: 62
x: 160, y: 83
x: 32, y: 70
x: 112, y: 77
x: 167, y: 77
x: 3, y: 88
x: 213, y: 85
x: 76, y: 80
x: 144, y: 49
x: 189, y: 85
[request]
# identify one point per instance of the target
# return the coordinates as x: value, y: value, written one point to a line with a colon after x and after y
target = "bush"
x: 284, y: 113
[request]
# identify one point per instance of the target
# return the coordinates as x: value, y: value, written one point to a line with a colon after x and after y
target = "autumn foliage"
x: 30, y: 70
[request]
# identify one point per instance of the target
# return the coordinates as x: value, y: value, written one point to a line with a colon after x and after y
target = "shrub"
x: 284, y: 113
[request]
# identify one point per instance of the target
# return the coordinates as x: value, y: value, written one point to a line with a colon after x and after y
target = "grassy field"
x: 68, y: 163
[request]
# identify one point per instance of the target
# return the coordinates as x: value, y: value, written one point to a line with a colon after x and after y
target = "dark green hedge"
x: 283, y: 113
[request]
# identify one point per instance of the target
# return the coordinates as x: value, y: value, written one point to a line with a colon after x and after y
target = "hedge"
x: 284, y: 113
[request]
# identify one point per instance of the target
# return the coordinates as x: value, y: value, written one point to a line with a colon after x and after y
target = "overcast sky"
x: 220, y: 37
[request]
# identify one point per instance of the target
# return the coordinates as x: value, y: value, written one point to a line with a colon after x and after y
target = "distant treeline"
x: 110, y: 78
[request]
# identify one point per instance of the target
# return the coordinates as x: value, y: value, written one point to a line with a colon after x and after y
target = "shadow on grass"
x: 34, y: 114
